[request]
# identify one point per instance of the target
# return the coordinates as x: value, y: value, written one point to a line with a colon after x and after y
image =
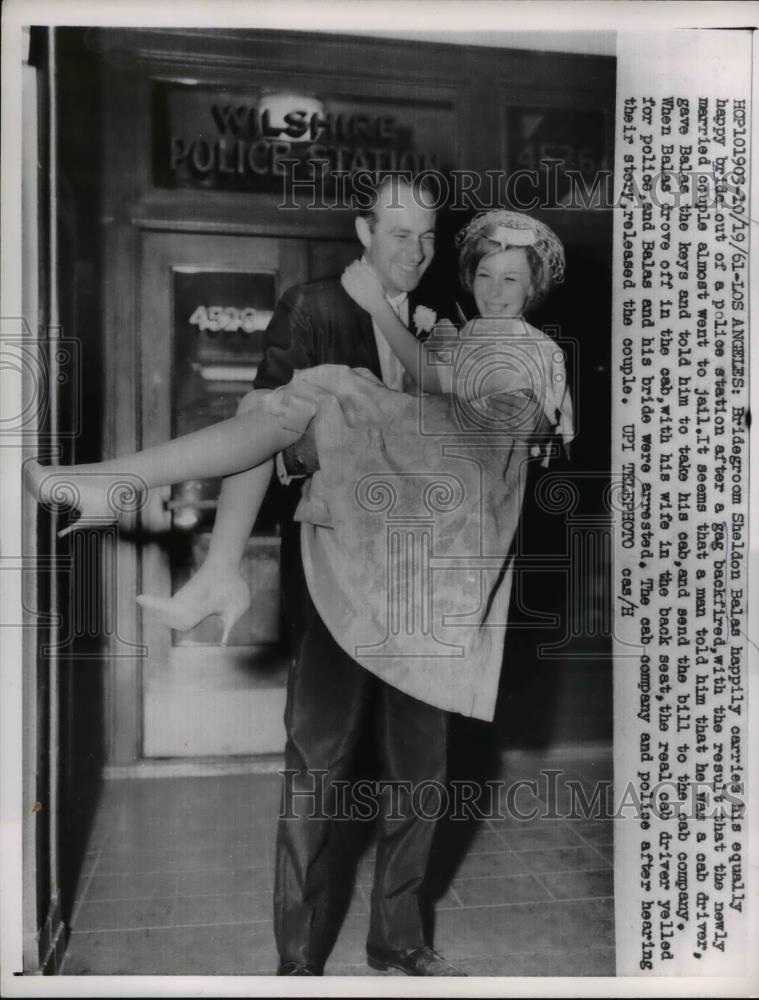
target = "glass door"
x: 205, y: 302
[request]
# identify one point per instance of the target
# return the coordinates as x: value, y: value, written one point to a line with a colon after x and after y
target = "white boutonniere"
x: 424, y: 319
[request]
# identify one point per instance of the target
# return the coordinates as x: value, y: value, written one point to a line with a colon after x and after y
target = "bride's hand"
x: 362, y: 284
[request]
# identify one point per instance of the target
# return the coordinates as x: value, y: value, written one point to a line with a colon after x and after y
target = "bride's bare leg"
x: 218, y: 587
x: 273, y: 421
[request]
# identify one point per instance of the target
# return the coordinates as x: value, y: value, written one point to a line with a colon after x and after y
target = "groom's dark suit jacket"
x: 313, y: 324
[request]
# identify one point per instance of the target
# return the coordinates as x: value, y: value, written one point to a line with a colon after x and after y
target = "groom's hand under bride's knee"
x: 301, y: 458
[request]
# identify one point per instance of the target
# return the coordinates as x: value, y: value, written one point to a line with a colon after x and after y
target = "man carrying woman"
x: 318, y: 332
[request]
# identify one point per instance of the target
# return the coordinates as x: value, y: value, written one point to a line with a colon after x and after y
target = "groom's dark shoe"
x: 423, y: 961
x: 297, y: 969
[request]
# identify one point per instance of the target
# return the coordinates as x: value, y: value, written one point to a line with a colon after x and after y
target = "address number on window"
x: 225, y: 319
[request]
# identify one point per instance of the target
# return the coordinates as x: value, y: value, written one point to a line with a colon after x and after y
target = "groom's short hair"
x: 369, y: 190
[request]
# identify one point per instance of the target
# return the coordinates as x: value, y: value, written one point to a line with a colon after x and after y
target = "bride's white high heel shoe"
x: 184, y: 611
x: 99, y: 497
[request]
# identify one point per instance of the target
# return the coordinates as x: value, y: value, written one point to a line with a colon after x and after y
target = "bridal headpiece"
x: 512, y: 229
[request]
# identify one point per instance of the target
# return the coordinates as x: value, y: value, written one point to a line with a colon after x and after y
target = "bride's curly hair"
x: 499, y: 230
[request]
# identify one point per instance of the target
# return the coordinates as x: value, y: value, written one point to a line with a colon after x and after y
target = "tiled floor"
x: 178, y: 880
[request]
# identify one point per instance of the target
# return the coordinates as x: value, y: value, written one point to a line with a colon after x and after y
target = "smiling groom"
x: 331, y: 700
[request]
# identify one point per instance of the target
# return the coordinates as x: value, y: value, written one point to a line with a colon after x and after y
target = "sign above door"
x: 231, y: 141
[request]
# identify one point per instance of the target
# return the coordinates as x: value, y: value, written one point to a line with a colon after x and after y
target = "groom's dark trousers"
x: 332, y: 701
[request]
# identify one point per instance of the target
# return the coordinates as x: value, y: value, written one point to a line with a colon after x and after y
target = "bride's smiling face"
x: 502, y: 283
